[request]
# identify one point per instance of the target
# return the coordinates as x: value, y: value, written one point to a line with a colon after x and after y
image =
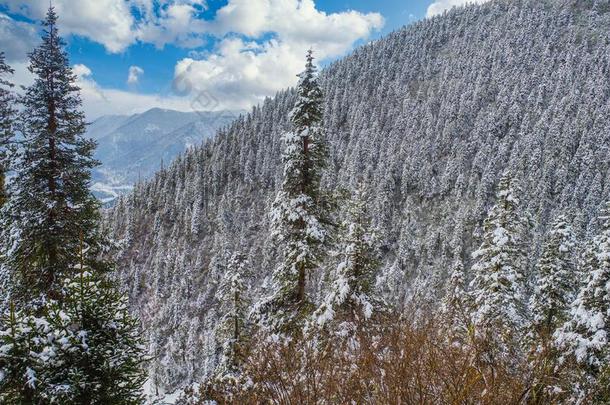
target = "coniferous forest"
x: 424, y: 221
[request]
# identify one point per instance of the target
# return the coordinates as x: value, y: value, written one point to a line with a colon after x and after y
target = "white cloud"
x: 296, y: 22
x: 259, y: 46
x: 112, y: 22
x: 16, y: 38
x: 174, y: 22
x: 108, y: 22
x: 440, y: 6
x: 134, y: 75
x: 98, y: 101
x: 22, y: 76
x: 82, y: 71
x: 242, y: 72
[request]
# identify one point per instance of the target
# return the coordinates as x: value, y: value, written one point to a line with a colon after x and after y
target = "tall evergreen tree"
x: 7, y: 113
x: 556, y: 280
x: 584, y: 337
x: 51, y: 206
x: 457, y: 305
x: 554, y: 290
x: 299, y: 212
x: 498, y: 284
x: 231, y: 332
x: 82, y: 349
x: 7, y: 116
x: 352, y: 295
x: 234, y: 303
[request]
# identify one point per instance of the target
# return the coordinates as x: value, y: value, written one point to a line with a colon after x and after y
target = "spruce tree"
x: 457, y: 305
x: 51, y: 206
x: 234, y: 304
x: 7, y: 115
x: 20, y: 339
x: 231, y: 333
x: 498, y: 283
x: 352, y: 295
x: 556, y: 281
x: 82, y: 349
x: 299, y: 213
x: 584, y: 337
x: 549, y: 304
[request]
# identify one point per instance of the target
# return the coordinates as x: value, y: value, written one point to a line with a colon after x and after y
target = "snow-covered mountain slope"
x: 133, y: 147
x: 429, y: 117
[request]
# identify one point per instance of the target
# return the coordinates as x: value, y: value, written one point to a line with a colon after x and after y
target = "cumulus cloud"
x: 257, y: 47
x: 16, y: 38
x: 98, y: 101
x: 297, y: 22
x: 241, y: 72
x: 108, y: 22
x: 81, y: 70
x: 174, y: 22
x: 440, y: 6
x: 134, y: 75
x: 113, y: 24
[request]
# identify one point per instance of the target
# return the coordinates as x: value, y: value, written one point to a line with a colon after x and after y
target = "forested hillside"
x: 428, y: 118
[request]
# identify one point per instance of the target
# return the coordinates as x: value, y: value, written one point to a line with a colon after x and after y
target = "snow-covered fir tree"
x: 51, y: 206
x: 498, y: 283
x: 7, y: 115
x: 23, y: 338
x: 584, y: 337
x: 85, y: 348
x: 556, y: 281
x: 456, y: 307
x: 298, y: 213
x: 231, y: 331
x: 351, y: 296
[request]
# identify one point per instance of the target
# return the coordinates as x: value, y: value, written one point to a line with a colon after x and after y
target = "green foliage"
x: 51, y: 207
x: 231, y: 331
x: 299, y: 215
x: 351, y: 294
x: 7, y: 113
x: 85, y: 349
x: 498, y: 283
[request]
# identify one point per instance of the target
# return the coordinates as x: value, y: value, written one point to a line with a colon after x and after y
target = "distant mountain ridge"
x: 133, y: 147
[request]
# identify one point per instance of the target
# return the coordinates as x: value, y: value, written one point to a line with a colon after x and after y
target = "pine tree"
x: 556, y: 280
x: 549, y: 304
x: 7, y: 112
x: 231, y: 333
x: 352, y: 296
x: 84, y: 349
x: 497, y: 287
x: 457, y: 305
x: 234, y: 304
x: 584, y: 337
x: 19, y: 339
x: 7, y: 115
x: 299, y: 217
x: 51, y: 205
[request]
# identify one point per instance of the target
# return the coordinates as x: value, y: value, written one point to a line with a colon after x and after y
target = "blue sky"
x: 132, y: 55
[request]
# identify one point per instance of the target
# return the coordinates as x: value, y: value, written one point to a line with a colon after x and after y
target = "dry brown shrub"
x: 395, y: 362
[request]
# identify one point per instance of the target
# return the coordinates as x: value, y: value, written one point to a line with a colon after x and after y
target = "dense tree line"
x: 300, y: 254
x: 487, y: 343
x: 429, y: 118
x: 66, y: 335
